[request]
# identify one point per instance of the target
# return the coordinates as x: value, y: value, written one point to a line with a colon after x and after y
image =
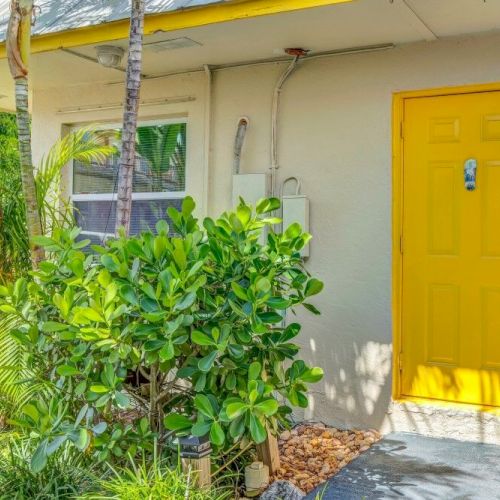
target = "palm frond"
x: 83, y: 145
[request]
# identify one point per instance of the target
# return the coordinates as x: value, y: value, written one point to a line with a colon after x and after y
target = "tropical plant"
x: 131, y: 108
x: 145, y: 480
x: 67, y: 474
x: 14, y: 247
x: 17, y: 381
x: 197, y: 317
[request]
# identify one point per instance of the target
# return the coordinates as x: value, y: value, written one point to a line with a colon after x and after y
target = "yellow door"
x: 451, y: 249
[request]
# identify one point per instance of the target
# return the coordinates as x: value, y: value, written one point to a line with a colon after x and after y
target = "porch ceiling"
x: 358, y: 23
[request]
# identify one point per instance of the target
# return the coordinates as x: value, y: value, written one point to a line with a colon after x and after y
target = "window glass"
x: 159, y: 181
x: 160, y: 164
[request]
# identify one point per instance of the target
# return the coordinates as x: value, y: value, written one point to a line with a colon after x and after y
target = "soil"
x: 312, y: 453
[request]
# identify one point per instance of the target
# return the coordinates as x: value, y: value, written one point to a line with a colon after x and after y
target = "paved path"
x: 416, y: 467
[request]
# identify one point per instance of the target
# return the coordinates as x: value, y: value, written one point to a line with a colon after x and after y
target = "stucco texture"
x: 335, y: 135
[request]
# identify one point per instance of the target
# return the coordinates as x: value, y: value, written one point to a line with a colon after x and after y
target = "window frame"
x: 112, y: 197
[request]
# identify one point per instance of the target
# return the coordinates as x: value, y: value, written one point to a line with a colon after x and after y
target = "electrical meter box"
x: 296, y: 209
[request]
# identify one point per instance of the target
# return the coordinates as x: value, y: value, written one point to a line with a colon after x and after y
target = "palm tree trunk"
x: 133, y: 87
x: 18, y: 49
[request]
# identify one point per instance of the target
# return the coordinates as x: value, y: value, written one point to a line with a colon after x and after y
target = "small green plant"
x: 153, y: 481
x: 158, y: 335
x: 67, y: 474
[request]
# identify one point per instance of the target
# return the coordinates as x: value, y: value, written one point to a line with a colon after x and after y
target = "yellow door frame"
x: 397, y: 221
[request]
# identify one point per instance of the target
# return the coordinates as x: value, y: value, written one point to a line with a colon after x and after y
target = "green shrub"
x: 153, y: 481
x: 66, y: 475
x: 157, y: 335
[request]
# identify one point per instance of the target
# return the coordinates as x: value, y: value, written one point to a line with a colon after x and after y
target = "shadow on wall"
x: 356, y: 390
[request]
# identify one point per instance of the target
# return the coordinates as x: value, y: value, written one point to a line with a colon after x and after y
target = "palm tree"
x: 18, y: 50
x: 132, y: 92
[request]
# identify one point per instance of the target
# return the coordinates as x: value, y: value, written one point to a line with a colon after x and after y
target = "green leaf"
x: 128, y: 293
x: 185, y: 302
x: 83, y: 440
x: 99, y: 389
x: 176, y: 422
x: 278, y: 303
x: 201, y: 428
x: 217, y: 435
x: 313, y: 287
x: 167, y: 351
x: 204, y: 364
x: 267, y: 407
x: 293, y: 231
x: 202, y: 403
x: 311, y: 308
x: 312, y: 375
x: 257, y: 430
x: 201, y: 338
x: 188, y: 206
x: 39, y: 458
x: 270, y: 317
x: 162, y: 227
x: 122, y: 400
x: 239, y: 291
x: 67, y: 370
x: 267, y: 205
x: 53, y: 326
x: 110, y: 262
x: 254, y: 370
x: 234, y: 410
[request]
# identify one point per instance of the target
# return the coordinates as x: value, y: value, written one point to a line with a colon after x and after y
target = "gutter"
x: 169, y: 21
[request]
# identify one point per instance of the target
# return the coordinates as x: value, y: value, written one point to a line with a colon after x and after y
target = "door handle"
x: 470, y: 174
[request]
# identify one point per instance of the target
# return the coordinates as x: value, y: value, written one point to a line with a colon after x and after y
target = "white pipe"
x: 238, y: 143
x: 274, y: 122
x: 208, y: 136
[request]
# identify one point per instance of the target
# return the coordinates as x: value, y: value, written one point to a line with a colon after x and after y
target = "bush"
x: 157, y: 335
x: 158, y: 480
x: 66, y: 475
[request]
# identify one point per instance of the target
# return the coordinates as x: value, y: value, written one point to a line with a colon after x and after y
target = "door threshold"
x: 450, y: 405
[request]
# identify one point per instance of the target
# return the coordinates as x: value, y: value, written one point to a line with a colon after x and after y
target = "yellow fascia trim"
x: 171, y: 21
x: 398, y: 104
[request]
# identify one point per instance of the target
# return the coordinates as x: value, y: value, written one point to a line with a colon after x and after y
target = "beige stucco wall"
x: 335, y: 133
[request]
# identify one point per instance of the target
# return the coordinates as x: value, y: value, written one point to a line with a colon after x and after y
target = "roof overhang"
x: 170, y: 21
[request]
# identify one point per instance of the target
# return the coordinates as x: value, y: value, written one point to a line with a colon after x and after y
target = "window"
x: 159, y: 180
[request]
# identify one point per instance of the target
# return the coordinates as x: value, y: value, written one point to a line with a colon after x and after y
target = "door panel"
x: 451, y: 240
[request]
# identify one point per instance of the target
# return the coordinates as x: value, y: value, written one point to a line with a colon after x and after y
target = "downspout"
x: 238, y: 143
x: 208, y: 137
x: 297, y: 53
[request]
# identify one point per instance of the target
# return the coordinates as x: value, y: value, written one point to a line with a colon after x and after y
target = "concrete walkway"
x: 416, y: 467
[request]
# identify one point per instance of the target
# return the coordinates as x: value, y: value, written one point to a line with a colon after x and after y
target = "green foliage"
x: 155, y: 480
x: 14, y: 249
x: 198, y: 316
x: 18, y: 380
x: 66, y: 475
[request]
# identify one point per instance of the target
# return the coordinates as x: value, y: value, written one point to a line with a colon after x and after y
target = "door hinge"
x: 400, y: 361
x: 401, y: 244
x: 402, y: 130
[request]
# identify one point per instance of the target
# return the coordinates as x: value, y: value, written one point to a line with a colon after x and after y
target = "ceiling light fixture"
x: 109, y: 56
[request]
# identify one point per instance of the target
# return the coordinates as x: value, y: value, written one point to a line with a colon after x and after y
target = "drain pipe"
x: 296, y: 53
x: 208, y: 137
x: 238, y: 143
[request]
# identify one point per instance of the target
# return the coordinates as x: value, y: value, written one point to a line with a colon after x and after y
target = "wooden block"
x: 200, y: 470
x: 269, y: 454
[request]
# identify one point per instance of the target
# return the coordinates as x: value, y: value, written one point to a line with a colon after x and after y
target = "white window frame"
x: 154, y: 195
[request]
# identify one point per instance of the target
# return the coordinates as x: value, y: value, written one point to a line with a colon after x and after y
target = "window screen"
x: 159, y: 181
